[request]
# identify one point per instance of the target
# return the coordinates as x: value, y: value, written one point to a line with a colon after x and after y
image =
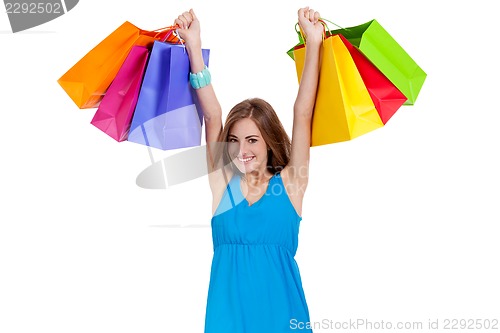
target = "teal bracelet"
x: 200, y: 79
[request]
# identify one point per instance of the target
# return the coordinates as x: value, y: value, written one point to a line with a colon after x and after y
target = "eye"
x: 252, y: 140
x: 232, y: 140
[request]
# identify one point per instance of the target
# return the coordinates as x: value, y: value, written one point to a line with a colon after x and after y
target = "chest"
x: 253, y: 194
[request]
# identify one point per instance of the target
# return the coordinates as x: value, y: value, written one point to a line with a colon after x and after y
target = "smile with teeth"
x: 245, y: 160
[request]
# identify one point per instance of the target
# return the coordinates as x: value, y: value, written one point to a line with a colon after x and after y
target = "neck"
x: 258, y: 177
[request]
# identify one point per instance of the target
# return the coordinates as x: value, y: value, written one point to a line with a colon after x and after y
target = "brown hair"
x: 266, y: 119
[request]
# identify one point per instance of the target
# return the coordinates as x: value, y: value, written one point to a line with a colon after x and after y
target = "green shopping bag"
x: 386, y: 54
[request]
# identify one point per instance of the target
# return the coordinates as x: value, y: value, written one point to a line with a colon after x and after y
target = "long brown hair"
x: 266, y: 119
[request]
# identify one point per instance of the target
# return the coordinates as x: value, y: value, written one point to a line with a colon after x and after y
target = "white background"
x: 400, y: 224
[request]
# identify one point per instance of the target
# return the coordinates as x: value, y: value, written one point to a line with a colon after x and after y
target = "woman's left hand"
x: 310, y: 25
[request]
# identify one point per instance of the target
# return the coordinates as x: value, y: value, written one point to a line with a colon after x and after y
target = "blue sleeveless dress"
x: 255, y: 284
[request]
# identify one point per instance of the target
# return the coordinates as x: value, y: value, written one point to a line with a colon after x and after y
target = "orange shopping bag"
x: 87, y: 81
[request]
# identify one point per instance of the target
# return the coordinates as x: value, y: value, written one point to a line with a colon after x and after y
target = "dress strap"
x: 234, y: 190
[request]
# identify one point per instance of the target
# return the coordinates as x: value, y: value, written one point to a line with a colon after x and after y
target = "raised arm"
x: 297, y: 170
x: 189, y: 31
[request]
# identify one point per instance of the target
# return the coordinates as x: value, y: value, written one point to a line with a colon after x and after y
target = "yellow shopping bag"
x: 87, y: 81
x: 344, y: 109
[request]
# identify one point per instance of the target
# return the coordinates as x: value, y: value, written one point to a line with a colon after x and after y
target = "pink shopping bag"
x: 116, y: 109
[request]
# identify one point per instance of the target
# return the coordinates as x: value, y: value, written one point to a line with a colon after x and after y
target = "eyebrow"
x: 234, y: 136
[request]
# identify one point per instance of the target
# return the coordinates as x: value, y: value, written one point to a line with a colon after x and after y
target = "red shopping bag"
x: 386, y: 97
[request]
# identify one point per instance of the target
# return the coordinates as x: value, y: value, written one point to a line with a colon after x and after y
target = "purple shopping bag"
x: 167, y: 115
x: 115, y: 111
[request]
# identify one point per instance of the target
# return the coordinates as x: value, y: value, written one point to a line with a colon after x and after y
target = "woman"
x: 255, y: 284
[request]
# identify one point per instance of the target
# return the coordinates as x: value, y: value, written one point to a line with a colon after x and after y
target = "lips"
x: 246, y: 159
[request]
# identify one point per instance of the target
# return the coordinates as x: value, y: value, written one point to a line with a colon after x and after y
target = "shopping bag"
x: 388, y: 56
x: 115, y: 111
x: 167, y: 115
x: 386, y: 97
x: 86, y: 82
x: 344, y: 109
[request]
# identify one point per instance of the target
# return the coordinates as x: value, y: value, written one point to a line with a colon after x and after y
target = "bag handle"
x: 326, y: 31
x: 302, y: 38
x: 169, y: 36
x: 335, y: 24
x: 172, y: 37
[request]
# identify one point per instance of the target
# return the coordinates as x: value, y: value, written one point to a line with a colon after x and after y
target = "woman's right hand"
x: 189, y: 29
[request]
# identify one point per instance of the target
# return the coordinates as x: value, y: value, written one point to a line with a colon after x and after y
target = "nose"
x: 243, y: 149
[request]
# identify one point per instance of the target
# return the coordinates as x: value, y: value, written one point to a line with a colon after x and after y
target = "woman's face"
x: 247, y: 147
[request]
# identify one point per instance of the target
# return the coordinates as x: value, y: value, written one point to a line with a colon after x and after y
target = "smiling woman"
x: 256, y: 141
x: 253, y: 130
x: 255, y: 284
